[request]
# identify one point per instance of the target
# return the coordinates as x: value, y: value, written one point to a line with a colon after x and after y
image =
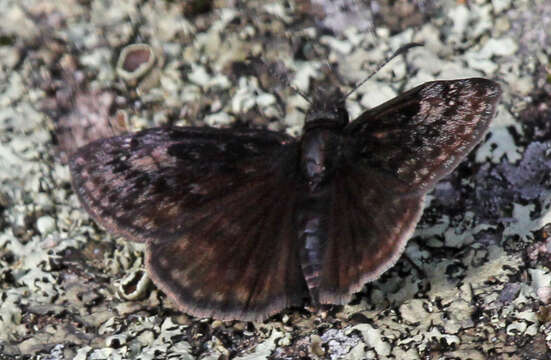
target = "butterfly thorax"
x: 319, y: 155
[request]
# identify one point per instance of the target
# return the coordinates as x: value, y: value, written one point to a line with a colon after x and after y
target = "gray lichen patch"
x: 477, y: 279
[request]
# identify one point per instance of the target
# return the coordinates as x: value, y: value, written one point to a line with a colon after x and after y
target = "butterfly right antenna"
x: 400, y: 51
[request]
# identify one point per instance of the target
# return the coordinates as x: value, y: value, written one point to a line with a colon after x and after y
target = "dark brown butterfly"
x: 240, y: 224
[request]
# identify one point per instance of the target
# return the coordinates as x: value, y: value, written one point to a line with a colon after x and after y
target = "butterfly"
x: 243, y: 223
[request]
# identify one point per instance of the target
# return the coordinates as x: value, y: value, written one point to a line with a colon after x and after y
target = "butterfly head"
x: 327, y: 110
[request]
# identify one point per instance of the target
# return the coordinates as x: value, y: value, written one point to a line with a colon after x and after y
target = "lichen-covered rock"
x: 476, y: 282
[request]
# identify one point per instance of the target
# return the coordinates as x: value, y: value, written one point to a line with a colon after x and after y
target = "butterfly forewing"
x: 423, y: 134
x: 213, y: 207
x: 395, y: 153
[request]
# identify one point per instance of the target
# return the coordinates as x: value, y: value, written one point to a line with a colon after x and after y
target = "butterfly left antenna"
x: 400, y: 51
x: 278, y: 74
x: 300, y: 93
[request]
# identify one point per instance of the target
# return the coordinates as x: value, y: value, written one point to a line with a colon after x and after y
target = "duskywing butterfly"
x: 240, y: 224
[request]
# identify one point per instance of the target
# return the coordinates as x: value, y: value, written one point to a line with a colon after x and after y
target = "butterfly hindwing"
x: 367, y: 232
x: 213, y: 207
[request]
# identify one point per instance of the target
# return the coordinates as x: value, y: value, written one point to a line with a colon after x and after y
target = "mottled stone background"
x: 478, y: 285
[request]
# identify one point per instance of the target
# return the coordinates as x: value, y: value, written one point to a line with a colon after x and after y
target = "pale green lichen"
x: 373, y: 338
x: 265, y: 349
